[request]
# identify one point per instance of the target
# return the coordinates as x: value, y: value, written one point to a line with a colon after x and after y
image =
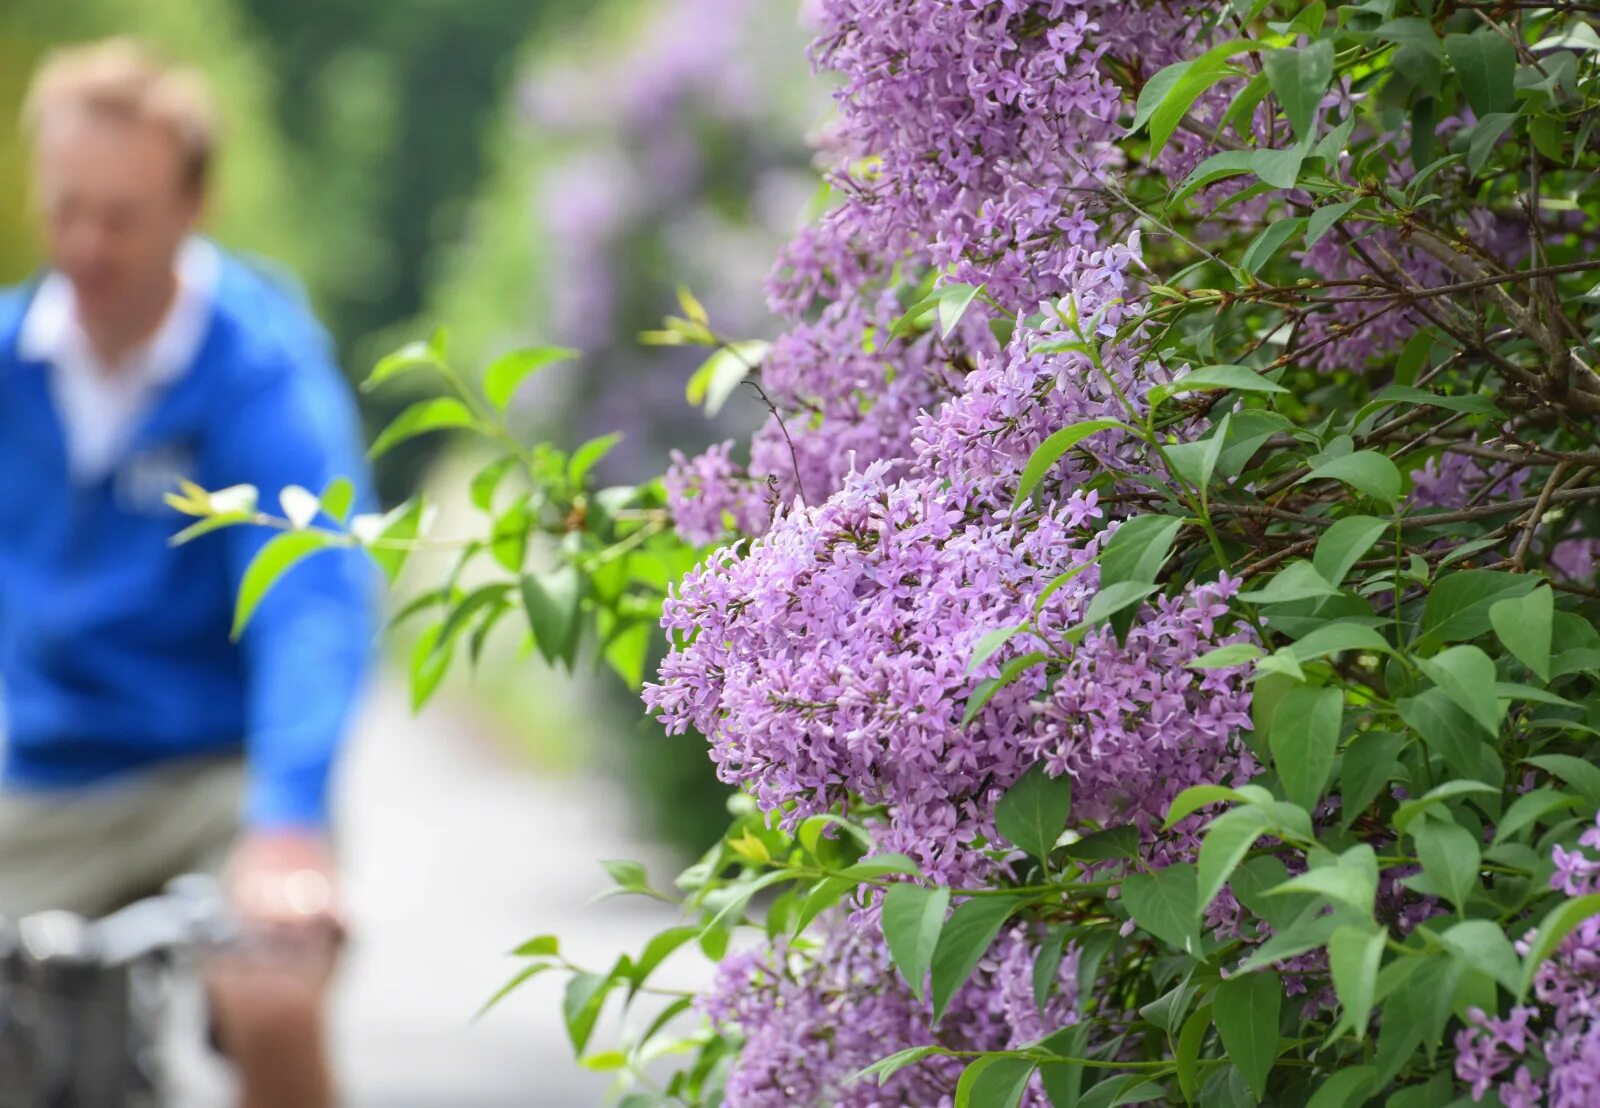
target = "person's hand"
x: 284, y: 877
x: 283, y: 890
x: 268, y: 990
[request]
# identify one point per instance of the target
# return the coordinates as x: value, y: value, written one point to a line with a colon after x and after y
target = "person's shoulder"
x: 265, y: 328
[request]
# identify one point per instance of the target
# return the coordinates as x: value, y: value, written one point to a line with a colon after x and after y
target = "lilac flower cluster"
x: 811, y: 1020
x: 1554, y: 1045
x: 972, y: 132
x: 827, y: 657
x: 830, y: 661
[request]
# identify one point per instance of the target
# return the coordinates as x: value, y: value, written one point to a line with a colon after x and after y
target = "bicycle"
x: 83, y: 1002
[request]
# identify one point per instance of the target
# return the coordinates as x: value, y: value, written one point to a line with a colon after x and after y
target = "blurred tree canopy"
x: 389, y: 107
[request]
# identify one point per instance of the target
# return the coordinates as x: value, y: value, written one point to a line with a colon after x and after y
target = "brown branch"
x: 1519, y: 556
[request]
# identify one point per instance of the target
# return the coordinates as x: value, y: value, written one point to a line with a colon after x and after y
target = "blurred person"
x: 141, y: 742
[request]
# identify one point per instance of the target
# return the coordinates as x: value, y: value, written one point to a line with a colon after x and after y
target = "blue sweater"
x: 114, y: 647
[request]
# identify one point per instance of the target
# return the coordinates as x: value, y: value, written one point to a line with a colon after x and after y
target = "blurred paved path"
x: 453, y: 858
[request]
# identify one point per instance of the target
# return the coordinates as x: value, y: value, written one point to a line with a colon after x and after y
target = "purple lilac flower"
x: 826, y: 657
x: 809, y: 1022
x: 1564, y: 1027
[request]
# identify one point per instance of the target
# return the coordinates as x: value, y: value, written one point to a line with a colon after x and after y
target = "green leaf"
x: 991, y: 642
x: 993, y: 1081
x: 1457, y: 608
x: 1050, y: 451
x: 1449, y: 856
x: 411, y: 356
x: 1555, y: 926
x: 487, y: 480
x: 1195, y: 797
x: 1246, y: 1007
x: 1280, y: 168
x: 1467, y: 676
x: 1299, y: 78
x: 880, y: 865
x: 656, y: 951
x: 508, y: 540
x: 1187, y: 1056
x: 1322, y: 220
x: 1226, y: 842
x: 1483, y: 945
x: 1411, y: 809
x: 1352, y: 880
x: 1137, y: 549
x: 1155, y: 90
x: 954, y: 300
x: 885, y: 1068
x: 1366, y: 471
x: 580, y: 1007
x: 1445, y: 727
x: 587, y: 456
x: 537, y: 947
x: 1577, y: 772
x: 1229, y: 163
x: 1340, y: 1088
x: 1201, y: 74
x: 987, y: 688
x: 913, y: 916
x: 1226, y: 657
x: 1268, y: 242
x: 1486, y: 64
x: 1413, y: 32
x: 1524, y: 625
x: 1530, y: 808
x: 1113, y: 599
x: 1474, y: 402
x: 1486, y: 133
x: 1354, y: 955
x: 713, y: 383
x: 1033, y: 812
x: 1196, y: 461
x: 1047, y: 965
x: 1165, y: 903
x: 1368, y: 764
x: 963, y: 942
x: 1574, y: 36
x: 1299, y: 580
x: 1113, y: 842
x: 210, y: 524
x: 551, y: 599
x: 337, y: 499
x: 507, y: 372
x: 1235, y: 377
x: 276, y: 557
x: 437, y: 414
x: 1303, y: 737
x: 522, y: 975
x: 1336, y: 638
x: 400, y: 525
x: 1344, y: 544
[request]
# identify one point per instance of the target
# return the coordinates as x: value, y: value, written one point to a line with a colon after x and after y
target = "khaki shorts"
x: 93, y: 849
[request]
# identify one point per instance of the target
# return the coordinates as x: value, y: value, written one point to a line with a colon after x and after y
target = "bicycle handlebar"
x: 189, y: 913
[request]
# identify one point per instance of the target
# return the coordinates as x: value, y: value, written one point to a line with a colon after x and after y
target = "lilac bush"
x: 1153, y: 631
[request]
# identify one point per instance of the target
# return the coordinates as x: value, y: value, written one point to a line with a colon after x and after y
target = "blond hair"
x: 127, y: 80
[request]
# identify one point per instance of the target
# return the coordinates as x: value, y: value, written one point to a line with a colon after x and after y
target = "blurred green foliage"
x: 256, y: 206
x: 355, y: 138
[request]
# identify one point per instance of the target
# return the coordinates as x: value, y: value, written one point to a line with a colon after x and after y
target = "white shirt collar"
x: 100, y: 411
x: 52, y: 333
